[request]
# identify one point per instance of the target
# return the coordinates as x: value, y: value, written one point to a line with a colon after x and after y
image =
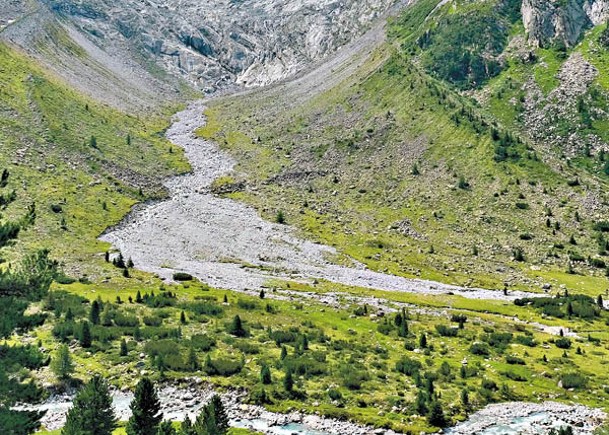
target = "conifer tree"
x: 193, y: 360
x: 146, y: 410
x: 92, y: 412
x: 95, y: 312
x: 62, y: 364
x: 436, y: 415
x: 85, y: 335
x: 124, y: 349
x: 265, y: 375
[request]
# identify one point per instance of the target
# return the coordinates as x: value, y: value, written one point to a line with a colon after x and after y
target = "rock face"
x: 547, y: 22
x: 216, y: 43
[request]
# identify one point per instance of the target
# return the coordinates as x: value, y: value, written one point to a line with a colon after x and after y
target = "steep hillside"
x: 437, y: 163
x: 81, y: 164
x: 214, y: 44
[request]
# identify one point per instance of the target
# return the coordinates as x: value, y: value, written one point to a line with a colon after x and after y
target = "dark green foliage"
x: 480, y: 349
x: 461, y: 47
x: 182, y: 276
x: 62, y: 364
x: 222, y: 366
x: 92, y: 411
x: 235, y: 327
x: 265, y: 375
x: 447, y: 331
x: 436, y: 415
x: 213, y: 419
x: 288, y: 381
x: 124, y: 350
x: 408, y: 366
x: 563, y: 343
x: 166, y: 428
x: 95, y: 312
x: 85, y: 335
x: 580, y: 306
x: 193, y: 360
x: 146, y: 410
x: 202, y: 342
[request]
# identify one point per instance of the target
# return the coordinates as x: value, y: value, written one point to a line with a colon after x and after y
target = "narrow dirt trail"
x: 227, y: 244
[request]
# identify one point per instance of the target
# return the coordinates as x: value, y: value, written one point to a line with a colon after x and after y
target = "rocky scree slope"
x: 215, y: 43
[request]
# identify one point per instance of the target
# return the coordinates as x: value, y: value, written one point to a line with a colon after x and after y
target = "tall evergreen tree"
x: 85, y: 335
x: 265, y: 375
x: 62, y: 364
x: 146, y: 410
x: 436, y: 415
x: 213, y: 419
x: 288, y: 381
x: 193, y: 360
x: 95, y: 312
x: 236, y: 327
x: 91, y: 413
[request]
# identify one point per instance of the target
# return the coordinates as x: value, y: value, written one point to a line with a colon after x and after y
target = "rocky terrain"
x: 530, y: 419
x: 547, y: 22
x: 187, y: 397
x: 214, y: 44
x: 227, y: 244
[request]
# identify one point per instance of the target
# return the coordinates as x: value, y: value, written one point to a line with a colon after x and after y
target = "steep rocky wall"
x: 215, y: 43
x: 552, y: 21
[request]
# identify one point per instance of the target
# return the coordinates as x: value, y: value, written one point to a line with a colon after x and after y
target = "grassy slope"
x: 364, y: 348
x: 366, y: 135
x: 45, y: 137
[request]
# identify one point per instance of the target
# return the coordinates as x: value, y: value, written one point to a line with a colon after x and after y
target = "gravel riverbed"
x: 213, y: 238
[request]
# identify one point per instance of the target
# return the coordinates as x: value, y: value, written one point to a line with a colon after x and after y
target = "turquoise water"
x: 288, y: 429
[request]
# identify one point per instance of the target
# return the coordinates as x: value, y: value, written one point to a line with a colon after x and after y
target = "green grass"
x: 363, y: 342
x: 45, y: 132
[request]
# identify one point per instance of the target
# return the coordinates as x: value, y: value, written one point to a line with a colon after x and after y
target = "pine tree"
x: 95, y: 312
x: 62, y: 364
x: 146, y: 410
x: 138, y: 297
x: 465, y: 398
x: 85, y: 335
x: 265, y: 375
x: 225, y: 299
x: 193, y: 360
x: 599, y: 302
x: 166, y: 428
x: 92, y: 412
x: 423, y: 341
x: 288, y: 381
x: 124, y: 349
x: 213, y: 419
x: 236, y: 327
x: 183, y: 318
x: 186, y: 427
x: 284, y: 353
x: 261, y: 294
x: 436, y: 415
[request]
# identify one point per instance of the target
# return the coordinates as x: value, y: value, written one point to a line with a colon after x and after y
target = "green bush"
x: 573, y: 380
x: 408, y: 366
x: 182, y: 276
x: 480, y: 349
x: 563, y: 343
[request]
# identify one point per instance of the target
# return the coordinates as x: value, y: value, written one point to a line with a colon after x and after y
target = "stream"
x: 177, y: 402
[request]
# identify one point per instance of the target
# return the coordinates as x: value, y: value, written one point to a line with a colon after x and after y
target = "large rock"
x: 550, y: 22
